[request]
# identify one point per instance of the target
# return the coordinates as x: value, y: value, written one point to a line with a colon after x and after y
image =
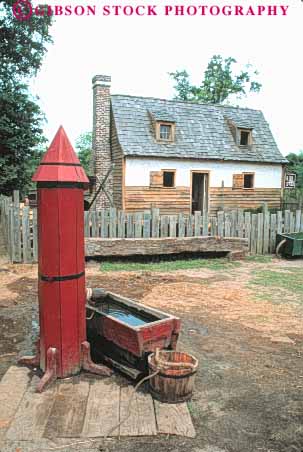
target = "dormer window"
x: 165, y: 131
x: 244, y: 137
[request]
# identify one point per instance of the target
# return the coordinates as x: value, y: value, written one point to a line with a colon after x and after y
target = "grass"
x: 289, y: 281
x: 259, y: 259
x: 168, y: 265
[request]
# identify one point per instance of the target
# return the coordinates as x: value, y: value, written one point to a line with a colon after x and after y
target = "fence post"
x: 197, y: 227
x: 26, y: 248
x: 35, y: 235
x: 273, y: 232
x: 146, y: 225
x: 172, y: 225
x: 247, y: 227
x: 298, y: 221
x: 205, y: 223
x: 155, y: 222
x: 260, y: 234
x: 220, y: 217
x: 266, y: 232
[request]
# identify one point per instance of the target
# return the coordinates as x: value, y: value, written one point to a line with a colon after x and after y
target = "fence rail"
x: 19, y: 225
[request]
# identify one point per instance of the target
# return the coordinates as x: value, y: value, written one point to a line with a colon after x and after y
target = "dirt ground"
x: 248, y: 339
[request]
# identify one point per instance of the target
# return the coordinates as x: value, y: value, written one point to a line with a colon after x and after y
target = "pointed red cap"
x: 60, y: 163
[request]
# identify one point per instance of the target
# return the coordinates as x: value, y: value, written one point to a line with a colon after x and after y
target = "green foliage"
x: 284, y: 283
x: 168, y: 265
x: 84, y: 150
x: 259, y: 259
x: 218, y: 83
x: 295, y: 165
x: 22, y: 46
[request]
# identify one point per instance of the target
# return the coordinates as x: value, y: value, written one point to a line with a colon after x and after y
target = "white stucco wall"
x: 137, y: 171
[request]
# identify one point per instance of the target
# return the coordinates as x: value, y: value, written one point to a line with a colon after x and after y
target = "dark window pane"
x: 244, y: 137
x: 168, y: 179
x: 248, y: 180
x: 165, y: 132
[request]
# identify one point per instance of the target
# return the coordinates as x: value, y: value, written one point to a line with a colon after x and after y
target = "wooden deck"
x: 83, y: 407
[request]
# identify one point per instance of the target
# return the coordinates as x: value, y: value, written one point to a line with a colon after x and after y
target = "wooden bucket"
x: 176, y: 375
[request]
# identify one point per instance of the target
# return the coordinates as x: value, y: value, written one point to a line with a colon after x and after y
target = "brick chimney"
x: 101, y: 161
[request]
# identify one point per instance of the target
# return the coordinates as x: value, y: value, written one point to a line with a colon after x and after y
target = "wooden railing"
x: 19, y: 224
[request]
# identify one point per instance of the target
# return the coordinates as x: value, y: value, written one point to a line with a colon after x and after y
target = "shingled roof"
x: 202, y: 131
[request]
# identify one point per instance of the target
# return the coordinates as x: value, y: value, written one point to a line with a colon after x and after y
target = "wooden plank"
x: 86, y: 223
x: 220, y: 217
x: 33, y: 413
x: 181, y: 225
x: 273, y: 232
x: 205, y: 223
x: 197, y: 222
x: 104, y: 224
x: 146, y: 225
x: 121, y: 224
x: 12, y: 388
x: 68, y: 410
x: 102, y: 412
x: 95, y: 232
x: 174, y: 419
x: 164, y: 222
x: 141, y: 421
x: 279, y: 222
x: 266, y: 232
x: 227, y: 224
x: 189, y: 226
x: 129, y: 226
x: 253, y: 233
x: 35, y: 235
x: 298, y: 221
x: 286, y: 220
x: 213, y: 226
x: 16, y: 199
x: 173, y: 225
x: 11, y: 233
x: 233, y: 226
x: 138, y: 224
x: 291, y: 222
x: 17, y: 231
x: 247, y: 226
x: 26, y: 248
x: 260, y: 233
x: 155, y: 222
x: 112, y: 222
x: 240, y: 223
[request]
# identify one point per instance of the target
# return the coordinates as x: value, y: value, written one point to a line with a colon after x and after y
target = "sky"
x: 139, y: 52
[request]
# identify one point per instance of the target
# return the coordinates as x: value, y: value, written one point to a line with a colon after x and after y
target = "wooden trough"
x: 234, y: 248
x: 123, y: 332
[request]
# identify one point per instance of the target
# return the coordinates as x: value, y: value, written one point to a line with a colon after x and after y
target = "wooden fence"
x: 19, y: 224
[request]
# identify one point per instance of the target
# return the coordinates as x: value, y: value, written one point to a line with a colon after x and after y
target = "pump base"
x: 51, y: 370
x: 89, y: 365
x: 33, y: 361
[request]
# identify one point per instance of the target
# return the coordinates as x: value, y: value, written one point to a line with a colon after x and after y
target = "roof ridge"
x: 188, y: 102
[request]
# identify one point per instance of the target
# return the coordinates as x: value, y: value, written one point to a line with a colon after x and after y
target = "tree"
x: 295, y: 165
x: 218, y: 83
x: 22, y: 47
x: 84, y: 150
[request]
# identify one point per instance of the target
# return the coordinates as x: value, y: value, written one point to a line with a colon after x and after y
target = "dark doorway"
x: 199, y: 192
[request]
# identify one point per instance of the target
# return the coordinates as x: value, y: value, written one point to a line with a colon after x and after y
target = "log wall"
x: 177, y: 200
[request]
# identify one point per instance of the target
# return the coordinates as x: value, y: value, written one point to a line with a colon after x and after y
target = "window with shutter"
x: 238, y: 180
x: 156, y: 179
